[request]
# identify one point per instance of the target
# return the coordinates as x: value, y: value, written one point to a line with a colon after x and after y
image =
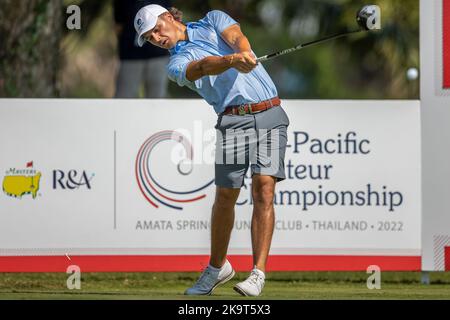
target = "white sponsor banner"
x: 435, y: 106
x: 111, y: 177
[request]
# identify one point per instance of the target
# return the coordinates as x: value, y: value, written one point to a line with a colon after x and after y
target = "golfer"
x: 214, y: 58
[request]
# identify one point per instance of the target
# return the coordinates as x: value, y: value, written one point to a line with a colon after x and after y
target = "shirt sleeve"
x: 220, y: 20
x: 176, y: 70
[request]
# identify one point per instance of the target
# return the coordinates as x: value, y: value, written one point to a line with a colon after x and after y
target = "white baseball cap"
x: 146, y: 19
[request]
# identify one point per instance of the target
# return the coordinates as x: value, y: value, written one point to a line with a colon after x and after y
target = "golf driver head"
x: 369, y: 17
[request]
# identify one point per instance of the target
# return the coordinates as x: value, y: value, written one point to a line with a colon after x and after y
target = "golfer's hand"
x: 244, y: 62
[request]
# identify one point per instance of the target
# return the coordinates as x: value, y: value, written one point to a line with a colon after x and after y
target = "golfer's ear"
x: 170, y: 17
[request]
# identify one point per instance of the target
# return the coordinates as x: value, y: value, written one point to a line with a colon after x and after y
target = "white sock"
x: 261, y: 273
x: 214, y: 268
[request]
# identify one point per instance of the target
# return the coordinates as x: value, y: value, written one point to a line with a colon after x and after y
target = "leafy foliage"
x: 365, y: 66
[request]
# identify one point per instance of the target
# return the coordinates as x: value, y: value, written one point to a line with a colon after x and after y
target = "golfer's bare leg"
x: 222, y: 224
x: 263, y: 219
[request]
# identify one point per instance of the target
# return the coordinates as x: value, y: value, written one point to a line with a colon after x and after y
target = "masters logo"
x: 19, y: 182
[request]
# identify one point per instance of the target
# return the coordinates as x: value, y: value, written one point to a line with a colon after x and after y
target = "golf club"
x: 368, y: 18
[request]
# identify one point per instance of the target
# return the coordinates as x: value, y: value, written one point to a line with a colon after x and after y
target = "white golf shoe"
x: 210, y: 279
x: 253, y: 285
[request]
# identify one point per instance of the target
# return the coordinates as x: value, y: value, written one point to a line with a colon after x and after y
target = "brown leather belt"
x: 252, y: 108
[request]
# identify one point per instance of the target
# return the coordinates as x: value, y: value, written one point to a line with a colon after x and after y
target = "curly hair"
x: 176, y: 13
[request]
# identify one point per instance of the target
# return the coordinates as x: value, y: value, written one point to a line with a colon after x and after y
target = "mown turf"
x: 293, y: 285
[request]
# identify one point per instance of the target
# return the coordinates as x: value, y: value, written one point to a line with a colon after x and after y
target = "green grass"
x: 170, y: 286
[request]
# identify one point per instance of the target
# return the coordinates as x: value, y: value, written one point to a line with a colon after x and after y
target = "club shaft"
x: 305, y: 45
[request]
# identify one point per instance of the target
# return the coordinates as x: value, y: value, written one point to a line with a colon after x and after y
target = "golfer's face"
x: 163, y: 35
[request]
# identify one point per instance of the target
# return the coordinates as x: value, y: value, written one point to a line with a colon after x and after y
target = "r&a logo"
x: 71, y: 180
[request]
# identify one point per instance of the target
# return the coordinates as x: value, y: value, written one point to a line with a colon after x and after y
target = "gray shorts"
x: 255, y: 140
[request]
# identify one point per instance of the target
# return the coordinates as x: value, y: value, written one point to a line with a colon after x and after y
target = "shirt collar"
x: 190, y: 26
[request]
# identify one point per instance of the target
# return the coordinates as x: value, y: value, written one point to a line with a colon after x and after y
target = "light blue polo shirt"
x: 228, y: 88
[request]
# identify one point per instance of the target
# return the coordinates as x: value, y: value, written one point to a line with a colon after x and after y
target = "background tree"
x: 366, y: 66
x: 30, y: 35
